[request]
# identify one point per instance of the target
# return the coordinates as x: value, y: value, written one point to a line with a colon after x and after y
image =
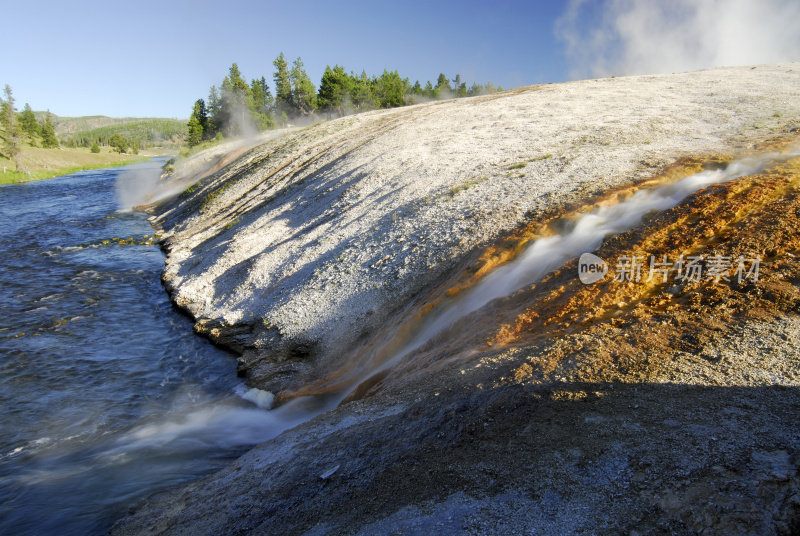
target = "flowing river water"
x: 106, y: 393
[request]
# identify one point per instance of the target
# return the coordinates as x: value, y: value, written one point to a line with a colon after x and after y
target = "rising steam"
x: 622, y: 37
x: 135, y: 184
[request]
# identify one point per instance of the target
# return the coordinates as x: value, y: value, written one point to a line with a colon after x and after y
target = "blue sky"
x: 147, y: 58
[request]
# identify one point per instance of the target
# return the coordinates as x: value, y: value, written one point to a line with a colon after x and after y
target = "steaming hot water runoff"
x: 107, y: 393
x: 534, y: 262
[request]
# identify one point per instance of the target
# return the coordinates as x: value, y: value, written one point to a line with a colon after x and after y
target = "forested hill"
x: 87, y: 130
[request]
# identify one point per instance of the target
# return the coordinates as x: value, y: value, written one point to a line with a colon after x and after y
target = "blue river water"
x: 106, y: 395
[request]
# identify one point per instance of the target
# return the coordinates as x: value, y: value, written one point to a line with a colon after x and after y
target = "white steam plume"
x: 136, y: 183
x: 621, y: 37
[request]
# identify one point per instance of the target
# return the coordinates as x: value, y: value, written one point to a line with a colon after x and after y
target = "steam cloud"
x: 136, y: 184
x: 621, y: 37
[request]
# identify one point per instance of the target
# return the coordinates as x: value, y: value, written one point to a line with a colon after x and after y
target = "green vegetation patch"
x: 15, y: 177
x: 466, y: 185
x: 212, y: 196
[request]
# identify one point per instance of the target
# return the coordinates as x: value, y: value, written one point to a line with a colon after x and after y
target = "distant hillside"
x: 87, y: 130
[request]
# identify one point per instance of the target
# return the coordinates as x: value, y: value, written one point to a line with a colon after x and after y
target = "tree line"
x: 138, y: 133
x: 22, y: 127
x: 237, y: 108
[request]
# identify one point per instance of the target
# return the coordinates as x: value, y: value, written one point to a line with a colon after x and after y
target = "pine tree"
x: 262, y: 96
x: 198, y: 123
x: 194, y: 132
x: 27, y: 122
x: 442, y: 89
x: 429, y: 91
x: 459, y: 87
x: 391, y: 90
x: 362, y: 92
x: 214, y: 113
x: 262, y: 102
x: 283, y: 85
x: 304, y: 95
x: 119, y: 143
x: 236, y: 80
x: 334, y: 90
x: 201, y: 113
x: 49, y: 140
x: 8, y: 117
x: 235, y: 103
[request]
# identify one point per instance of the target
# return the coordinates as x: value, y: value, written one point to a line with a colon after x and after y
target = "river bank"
x: 646, y: 407
x: 48, y: 163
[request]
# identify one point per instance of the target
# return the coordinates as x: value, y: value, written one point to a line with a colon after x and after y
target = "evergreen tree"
x: 95, y: 148
x: 27, y: 121
x: 334, y: 90
x: 214, y: 113
x: 429, y: 91
x: 262, y: 96
x: 391, y: 90
x: 459, y: 87
x: 201, y: 113
x: 8, y: 117
x: 237, y: 82
x: 442, y: 89
x: 49, y: 140
x: 119, y: 143
x: 198, y: 123
x: 362, y: 92
x: 194, y: 131
x: 262, y: 102
x: 415, y: 93
x: 283, y: 86
x: 235, y: 103
x: 304, y: 95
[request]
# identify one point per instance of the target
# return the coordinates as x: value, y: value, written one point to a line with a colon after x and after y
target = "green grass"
x: 209, y: 199
x: 188, y: 191
x: 518, y: 165
x: 466, y: 185
x: 15, y: 177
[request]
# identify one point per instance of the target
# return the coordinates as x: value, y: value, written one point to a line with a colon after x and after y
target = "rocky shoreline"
x: 636, y: 409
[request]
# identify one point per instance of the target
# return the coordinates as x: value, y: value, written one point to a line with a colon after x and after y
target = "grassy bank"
x: 47, y: 163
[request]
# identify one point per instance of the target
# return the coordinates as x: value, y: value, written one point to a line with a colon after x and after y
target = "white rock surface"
x: 313, y: 238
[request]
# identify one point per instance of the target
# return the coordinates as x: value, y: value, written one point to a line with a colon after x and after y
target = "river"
x: 106, y: 393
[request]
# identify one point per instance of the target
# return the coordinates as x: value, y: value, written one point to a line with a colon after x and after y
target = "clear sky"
x: 148, y: 58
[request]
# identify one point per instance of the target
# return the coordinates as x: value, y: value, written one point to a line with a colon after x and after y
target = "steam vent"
x: 408, y: 296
